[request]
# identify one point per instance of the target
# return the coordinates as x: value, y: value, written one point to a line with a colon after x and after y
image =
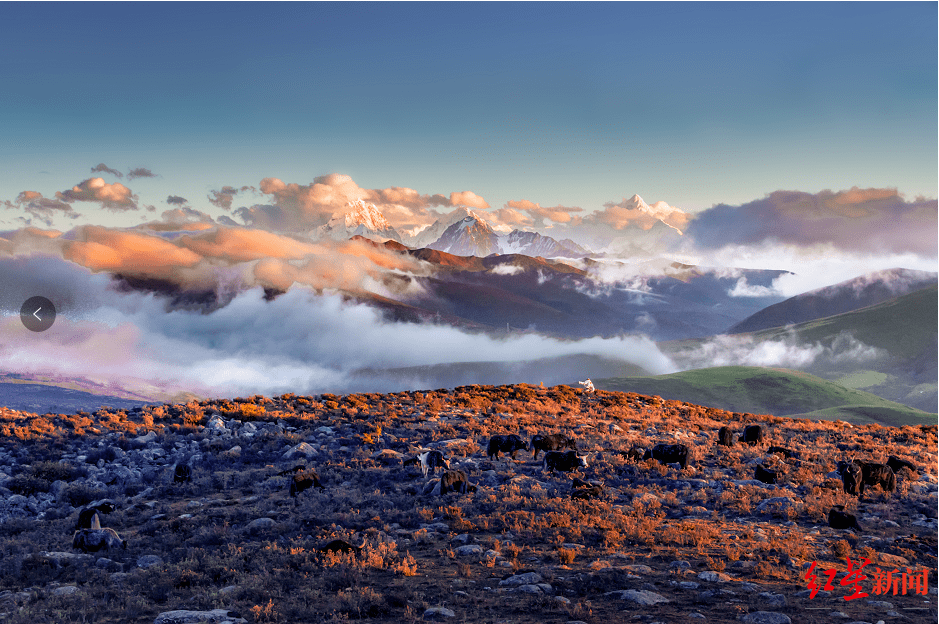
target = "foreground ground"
x: 704, y: 543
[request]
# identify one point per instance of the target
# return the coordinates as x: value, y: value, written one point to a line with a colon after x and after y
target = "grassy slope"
x: 771, y: 391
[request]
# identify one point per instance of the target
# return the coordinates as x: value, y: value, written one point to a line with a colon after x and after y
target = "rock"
x: 637, y: 568
x: 766, y: 617
x: 715, y: 577
x: 146, y: 439
x: 469, y: 549
x: 216, y: 616
x: 216, y: 424
x: 303, y: 449
x: 148, y: 561
x: 773, y: 600
x: 779, y: 505
x: 65, y: 590
x: 261, y: 524
x: 108, y: 565
x: 435, y: 613
x: 642, y: 597
x: 528, y: 578
x: 62, y: 559
x: 540, y: 588
x: 232, y: 453
x: 881, y: 604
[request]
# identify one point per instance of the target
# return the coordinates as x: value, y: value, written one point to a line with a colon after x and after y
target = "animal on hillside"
x: 842, y: 520
x: 302, y: 481
x: 765, y: 475
x: 565, y: 462
x: 290, y: 471
x: 182, y: 474
x: 668, y: 454
x: 93, y: 540
x: 342, y: 546
x: 431, y: 460
x: 552, y: 442
x: 88, y: 519
x: 588, y: 385
x: 852, y: 478
x: 90, y: 514
x: 896, y: 464
x: 453, y: 481
x: 635, y: 454
x: 877, y: 474
x: 781, y: 450
x: 510, y: 444
x: 725, y: 437
x: 752, y: 435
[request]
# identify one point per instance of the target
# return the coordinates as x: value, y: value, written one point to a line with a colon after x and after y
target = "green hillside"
x: 780, y: 392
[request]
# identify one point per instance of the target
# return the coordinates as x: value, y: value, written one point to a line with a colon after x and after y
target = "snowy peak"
x: 534, y: 244
x: 469, y: 236
x: 358, y: 219
x: 433, y: 233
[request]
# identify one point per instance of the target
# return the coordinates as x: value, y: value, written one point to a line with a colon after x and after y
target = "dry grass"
x: 526, y: 517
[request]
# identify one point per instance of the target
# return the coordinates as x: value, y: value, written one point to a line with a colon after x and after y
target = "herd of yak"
x: 91, y: 537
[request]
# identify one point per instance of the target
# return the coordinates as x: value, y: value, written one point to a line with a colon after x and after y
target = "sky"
x: 575, y: 105
x: 200, y: 143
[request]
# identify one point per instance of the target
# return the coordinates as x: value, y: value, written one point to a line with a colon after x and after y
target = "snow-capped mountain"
x: 659, y: 211
x: 534, y: 244
x: 469, y: 236
x: 432, y: 233
x: 359, y: 219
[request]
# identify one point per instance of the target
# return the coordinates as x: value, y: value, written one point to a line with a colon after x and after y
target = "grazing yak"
x: 842, y: 520
x: 781, y: 450
x: 752, y: 435
x: 453, y: 481
x: 725, y: 437
x: 668, y: 454
x: 851, y: 477
x: 765, y: 475
x: 182, y: 474
x: 585, y: 490
x: 510, y: 444
x: 553, y: 442
x: 93, y: 540
x: 341, y: 546
x: 635, y: 454
x: 896, y: 464
x: 89, y: 518
x: 565, y: 462
x: 431, y: 460
x: 877, y: 474
x: 303, y: 481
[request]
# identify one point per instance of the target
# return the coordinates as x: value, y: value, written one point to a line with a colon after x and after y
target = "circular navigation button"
x: 37, y: 314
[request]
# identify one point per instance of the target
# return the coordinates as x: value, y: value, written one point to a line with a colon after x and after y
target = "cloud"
x: 111, y: 196
x: 176, y: 200
x: 299, y: 342
x: 538, y: 214
x: 303, y: 207
x: 140, y: 172
x: 468, y: 199
x: 856, y: 220
x: 224, y: 197
x: 103, y: 168
x: 40, y: 208
x: 787, y: 352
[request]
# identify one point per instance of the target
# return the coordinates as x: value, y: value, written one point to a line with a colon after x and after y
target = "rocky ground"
x: 660, y: 544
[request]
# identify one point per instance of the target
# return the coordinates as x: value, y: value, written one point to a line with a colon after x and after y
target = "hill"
x: 854, y: 294
x: 673, y: 543
x: 771, y: 391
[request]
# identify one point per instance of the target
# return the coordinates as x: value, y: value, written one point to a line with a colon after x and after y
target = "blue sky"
x: 561, y: 104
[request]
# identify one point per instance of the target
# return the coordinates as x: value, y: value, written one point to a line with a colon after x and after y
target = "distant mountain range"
x: 639, y: 229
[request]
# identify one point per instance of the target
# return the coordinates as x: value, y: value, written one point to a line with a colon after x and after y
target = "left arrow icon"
x: 31, y: 317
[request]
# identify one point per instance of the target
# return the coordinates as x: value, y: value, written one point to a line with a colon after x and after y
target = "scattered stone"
x: 715, y: 577
x: 436, y: 613
x: 301, y: 449
x: 642, y: 597
x: 773, y: 600
x: 528, y: 578
x: 216, y: 616
x: 881, y: 604
x: 261, y: 524
x: 148, y: 561
x: 65, y: 590
x: 469, y: 549
x: 766, y: 617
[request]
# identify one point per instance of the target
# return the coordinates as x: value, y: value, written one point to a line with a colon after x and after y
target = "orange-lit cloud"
x: 875, y: 220
x: 112, y: 196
